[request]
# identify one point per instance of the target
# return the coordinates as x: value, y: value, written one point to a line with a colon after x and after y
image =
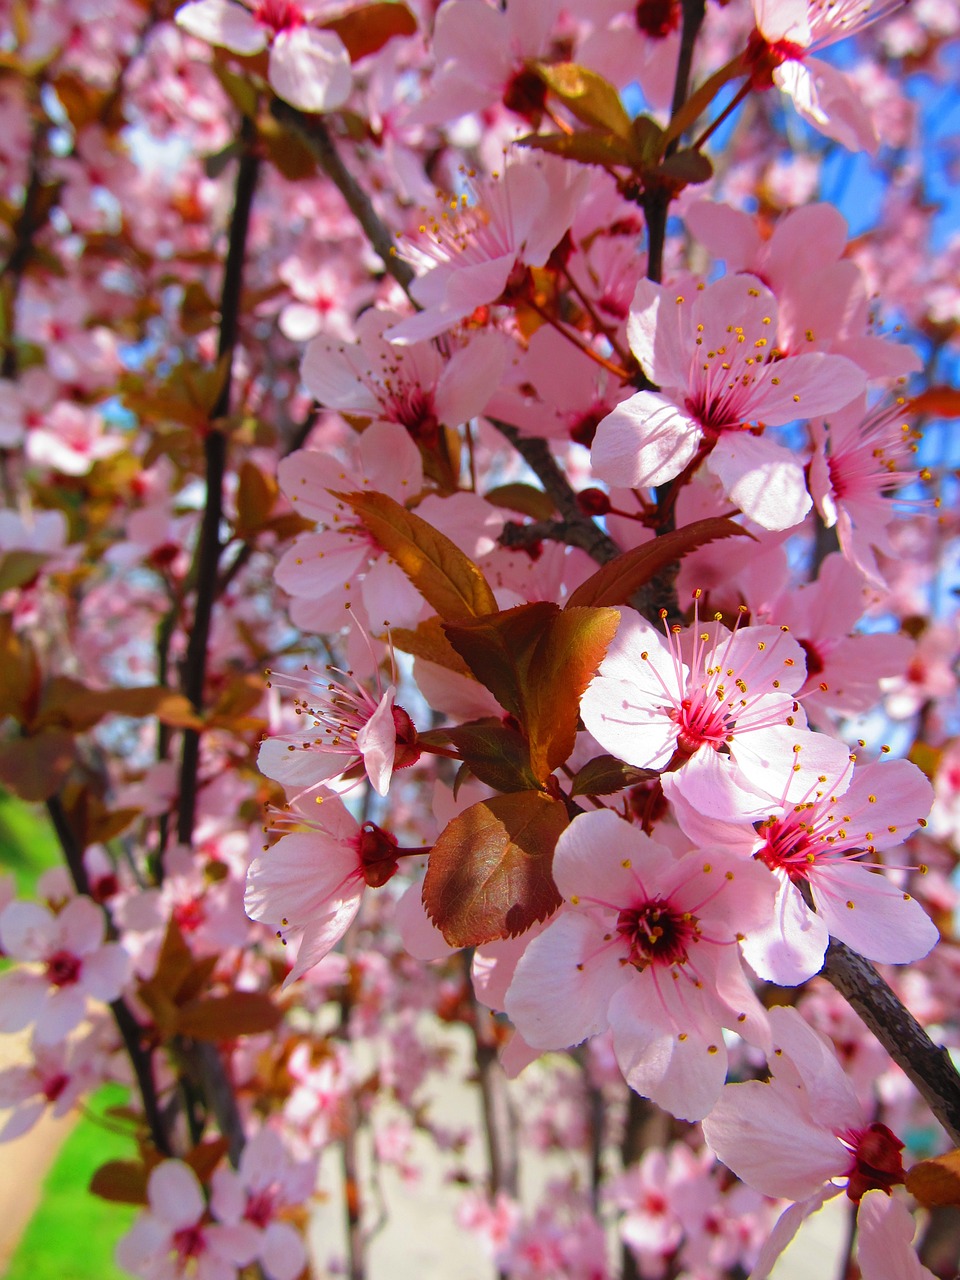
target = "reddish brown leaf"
x: 490, y: 872
x: 121, y: 1182
x: 605, y: 775
x: 34, y: 768
x: 936, y: 1181
x: 256, y: 495
x: 367, y: 29
x: 499, y: 649
x: 239, y: 1013
x: 617, y: 580
x: 537, y: 660
x: 429, y: 642
x: 447, y: 579
x: 564, y: 662
x: 67, y: 702
x: 495, y: 753
x: 939, y: 402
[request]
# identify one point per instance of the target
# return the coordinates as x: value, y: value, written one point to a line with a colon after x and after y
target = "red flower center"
x: 656, y: 933
x: 657, y: 18
x: 377, y: 849
x: 763, y: 58
x: 63, y: 968
x: 877, y: 1164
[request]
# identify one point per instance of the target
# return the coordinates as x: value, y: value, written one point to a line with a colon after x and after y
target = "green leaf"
x: 605, y: 775
x: 367, y: 29
x: 447, y: 579
x: 616, y: 581
x: 490, y: 872
x: 586, y: 95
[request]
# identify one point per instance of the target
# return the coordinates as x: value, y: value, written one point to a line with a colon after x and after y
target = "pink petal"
x: 310, y: 69
x: 225, y: 23
x: 790, y: 949
x: 765, y: 480
x: 866, y: 911
x: 563, y: 984
x: 377, y: 743
x: 647, y: 440
x: 885, y: 1240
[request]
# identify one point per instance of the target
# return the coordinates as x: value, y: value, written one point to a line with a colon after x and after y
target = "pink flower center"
x: 261, y: 1207
x: 656, y: 933
x: 63, y: 968
x: 53, y: 1087
x: 790, y: 848
x: 189, y: 1243
x: 279, y: 15
x: 189, y: 916
x: 701, y: 722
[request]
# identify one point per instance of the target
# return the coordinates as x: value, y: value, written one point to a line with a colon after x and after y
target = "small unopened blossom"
x: 345, y: 728
x: 309, y: 67
x: 647, y: 945
x: 712, y: 350
x: 311, y: 882
x: 65, y: 963
x: 803, y: 1135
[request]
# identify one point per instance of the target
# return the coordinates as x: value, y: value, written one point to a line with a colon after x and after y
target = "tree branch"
x: 215, y: 452
x: 928, y: 1065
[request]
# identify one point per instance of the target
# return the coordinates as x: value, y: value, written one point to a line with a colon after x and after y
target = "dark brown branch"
x: 928, y: 1065
x: 314, y: 134
x: 215, y: 453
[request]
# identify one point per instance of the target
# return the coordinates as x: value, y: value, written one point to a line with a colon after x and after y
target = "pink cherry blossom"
x: 860, y: 458
x: 345, y: 727
x: 73, y: 965
x: 470, y: 252
x: 816, y: 836
x: 309, y: 67
x: 267, y: 1181
x: 646, y: 946
x: 787, y: 32
x: 413, y: 386
x: 712, y: 351
x: 803, y: 1135
x: 174, y: 1237
x: 660, y: 700
x: 311, y: 882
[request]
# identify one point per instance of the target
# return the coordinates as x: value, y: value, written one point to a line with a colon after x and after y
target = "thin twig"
x: 314, y: 133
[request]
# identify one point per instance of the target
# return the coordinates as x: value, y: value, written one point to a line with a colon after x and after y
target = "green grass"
x: 72, y: 1235
x: 28, y: 845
